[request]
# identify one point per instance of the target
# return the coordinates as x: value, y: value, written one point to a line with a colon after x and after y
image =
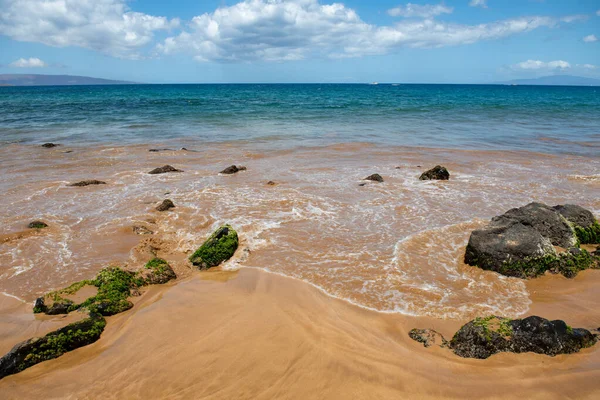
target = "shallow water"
x: 395, y: 246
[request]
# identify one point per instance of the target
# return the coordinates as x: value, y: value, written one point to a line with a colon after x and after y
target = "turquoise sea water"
x: 543, y: 119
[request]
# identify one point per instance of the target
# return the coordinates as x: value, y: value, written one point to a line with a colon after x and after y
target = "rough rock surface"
x: 219, y: 247
x: 233, y: 169
x: 428, y: 337
x: 374, y: 178
x: 53, y: 345
x: 484, y: 337
x: 157, y: 271
x: 165, y: 205
x: 436, y: 173
x: 549, y: 223
x: 37, y: 225
x: 50, y: 145
x: 576, y: 215
x: 88, y: 183
x: 163, y: 170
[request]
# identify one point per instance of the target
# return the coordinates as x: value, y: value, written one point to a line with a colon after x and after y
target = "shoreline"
x: 270, y: 336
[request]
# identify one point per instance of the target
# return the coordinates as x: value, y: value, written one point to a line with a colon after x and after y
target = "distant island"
x: 555, y: 80
x: 54, y: 80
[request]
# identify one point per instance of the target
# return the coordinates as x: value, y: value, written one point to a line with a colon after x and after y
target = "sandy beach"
x: 255, y: 335
x: 352, y: 270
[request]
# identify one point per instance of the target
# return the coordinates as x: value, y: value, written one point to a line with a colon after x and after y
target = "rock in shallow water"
x: 521, y: 243
x: 484, y: 337
x: 141, y: 230
x: 436, y: 173
x: 428, y: 337
x: 163, y: 170
x: 233, y: 169
x: 37, y: 225
x: 88, y: 183
x: 219, y: 247
x: 50, y: 145
x: 374, y: 178
x: 165, y: 205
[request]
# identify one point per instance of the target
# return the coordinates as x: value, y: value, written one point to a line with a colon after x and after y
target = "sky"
x: 268, y: 41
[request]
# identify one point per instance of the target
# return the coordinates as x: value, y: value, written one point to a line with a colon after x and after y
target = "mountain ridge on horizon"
x: 76, y: 80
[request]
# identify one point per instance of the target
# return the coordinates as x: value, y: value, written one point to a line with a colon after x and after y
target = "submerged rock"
x: 428, y: 337
x: 164, y: 169
x: 50, y: 145
x: 88, y: 183
x: 157, y: 271
x: 53, y: 345
x: 436, y: 173
x: 484, y: 337
x: 37, y: 225
x: 165, y: 205
x: 374, y: 178
x: 219, y: 247
x: 271, y: 183
x: 233, y: 169
x: 142, y: 230
x: 583, y: 221
x: 521, y: 242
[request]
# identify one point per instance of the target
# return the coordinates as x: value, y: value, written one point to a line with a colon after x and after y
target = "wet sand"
x: 370, y: 263
x: 255, y: 335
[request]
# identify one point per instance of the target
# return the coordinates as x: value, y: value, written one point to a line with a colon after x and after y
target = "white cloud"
x: 574, y: 18
x: 422, y: 11
x: 536, y: 65
x: 587, y: 66
x: 28, y: 63
x: 103, y: 25
x: 590, y: 39
x: 276, y: 30
x: 478, y: 3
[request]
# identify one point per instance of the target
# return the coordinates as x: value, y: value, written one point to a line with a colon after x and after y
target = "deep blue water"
x: 535, y: 118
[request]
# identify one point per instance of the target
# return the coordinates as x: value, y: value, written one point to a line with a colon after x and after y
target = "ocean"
x: 394, y: 247
x: 556, y: 120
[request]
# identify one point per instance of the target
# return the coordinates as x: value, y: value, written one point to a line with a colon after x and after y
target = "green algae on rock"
x: 37, y: 225
x: 219, y: 247
x: 53, y: 345
x: 157, y: 271
x: 484, y: 337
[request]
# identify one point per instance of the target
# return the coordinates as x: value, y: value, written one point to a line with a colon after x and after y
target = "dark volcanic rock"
x: 549, y: 223
x: 521, y: 243
x: 39, y: 306
x: 374, y: 178
x: 428, y: 337
x: 576, y: 215
x: 164, y: 169
x: 58, y: 308
x: 271, y: 183
x: 53, y: 345
x: 141, y: 230
x: 436, y: 173
x: 37, y: 225
x: 233, y: 169
x: 87, y: 183
x: 165, y: 205
x: 50, y: 145
x: 497, y: 246
x: 484, y: 337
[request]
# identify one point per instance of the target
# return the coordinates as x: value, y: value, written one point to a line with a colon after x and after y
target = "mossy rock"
x: 53, y: 345
x: 484, y: 337
x: 589, y: 235
x: 219, y: 247
x: 569, y: 264
x: 37, y: 225
x: 157, y: 271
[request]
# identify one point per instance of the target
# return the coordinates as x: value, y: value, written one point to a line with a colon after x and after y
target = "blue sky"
x: 454, y: 41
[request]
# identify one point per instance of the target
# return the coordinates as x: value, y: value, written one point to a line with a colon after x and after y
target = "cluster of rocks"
x: 525, y: 242
x: 484, y: 337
